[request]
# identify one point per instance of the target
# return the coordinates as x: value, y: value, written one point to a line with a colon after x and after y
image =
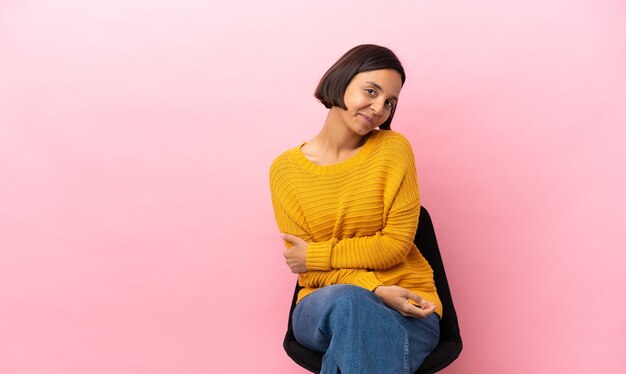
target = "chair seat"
x: 445, y: 352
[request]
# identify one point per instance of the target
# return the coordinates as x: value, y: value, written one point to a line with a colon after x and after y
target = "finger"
x: 422, y: 313
x: 291, y: 265
x: 423, y: 303
x: 410, y: 310
x: 429, y: 311
x: 425, y: 312
x: 288, y: 237
x: 415, y: 297
x: 290, y: 254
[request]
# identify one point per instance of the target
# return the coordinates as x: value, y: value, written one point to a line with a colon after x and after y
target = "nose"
x: 377, y: 107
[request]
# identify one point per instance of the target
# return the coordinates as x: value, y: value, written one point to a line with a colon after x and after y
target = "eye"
x: 370, y: 91
x: 389, y: 104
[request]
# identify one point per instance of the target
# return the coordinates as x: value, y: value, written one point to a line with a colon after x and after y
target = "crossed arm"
x: 383, y: 250
x: 350, y: 260
x: 395, y: 297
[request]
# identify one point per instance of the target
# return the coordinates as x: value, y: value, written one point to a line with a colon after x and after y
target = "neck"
x: 336, y: 137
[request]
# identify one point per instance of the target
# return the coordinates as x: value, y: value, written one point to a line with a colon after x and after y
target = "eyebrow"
x: 381, y: 89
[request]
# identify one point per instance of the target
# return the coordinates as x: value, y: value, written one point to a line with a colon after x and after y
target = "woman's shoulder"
x: 284, y: 161
x: 392, y: 141
x: 390, y: 136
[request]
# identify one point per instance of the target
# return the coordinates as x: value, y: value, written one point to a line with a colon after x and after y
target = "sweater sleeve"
x: 358, y: 277
x: 387, y: 247
x: 289, y: 221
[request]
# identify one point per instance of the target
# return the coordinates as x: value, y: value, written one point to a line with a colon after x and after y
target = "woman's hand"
x: 295, y: 257
x: 398, y: 298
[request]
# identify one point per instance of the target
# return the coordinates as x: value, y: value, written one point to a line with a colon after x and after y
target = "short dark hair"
x: 332, y: 87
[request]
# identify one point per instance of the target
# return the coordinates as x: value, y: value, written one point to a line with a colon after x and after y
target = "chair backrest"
x: 450, y: 343
x: 426, y: 242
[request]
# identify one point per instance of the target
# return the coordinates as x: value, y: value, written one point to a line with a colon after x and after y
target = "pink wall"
x: 136, y: 231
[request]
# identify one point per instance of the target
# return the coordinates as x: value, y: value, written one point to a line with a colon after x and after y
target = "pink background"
x: 136, y: 230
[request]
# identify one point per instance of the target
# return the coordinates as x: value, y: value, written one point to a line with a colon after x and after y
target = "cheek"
x: 354, y: 101
x: 384, y: 118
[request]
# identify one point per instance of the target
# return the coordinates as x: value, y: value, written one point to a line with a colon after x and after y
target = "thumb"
x: 288, y: 237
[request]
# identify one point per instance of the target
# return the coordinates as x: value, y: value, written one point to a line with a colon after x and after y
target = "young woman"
x: 347, y: 205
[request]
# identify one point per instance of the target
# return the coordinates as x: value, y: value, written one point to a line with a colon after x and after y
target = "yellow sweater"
x: 359, y: 217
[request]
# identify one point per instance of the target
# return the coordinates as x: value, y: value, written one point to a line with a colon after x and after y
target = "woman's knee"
x: 341, y: 289
x: 339, y: 296
x: 354, y: 300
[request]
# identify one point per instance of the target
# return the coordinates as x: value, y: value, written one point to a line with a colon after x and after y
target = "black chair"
x: 450, y: 343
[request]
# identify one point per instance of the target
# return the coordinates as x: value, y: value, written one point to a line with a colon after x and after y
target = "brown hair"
x: 332, y: 87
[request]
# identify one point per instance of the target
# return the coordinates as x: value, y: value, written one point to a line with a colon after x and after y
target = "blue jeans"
x: 359, y: 334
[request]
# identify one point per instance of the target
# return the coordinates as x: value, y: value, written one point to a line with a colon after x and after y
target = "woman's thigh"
x: 312, y: 317
x: 363, y: 310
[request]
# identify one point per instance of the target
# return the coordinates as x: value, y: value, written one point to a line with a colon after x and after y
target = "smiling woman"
x: 347, y: 204
x: 367, y: 101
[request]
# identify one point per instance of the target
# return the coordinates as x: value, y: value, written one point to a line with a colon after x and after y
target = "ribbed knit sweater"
x: 359, y: 216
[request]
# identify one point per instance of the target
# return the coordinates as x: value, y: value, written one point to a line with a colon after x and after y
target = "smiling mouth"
x: 369, y: 119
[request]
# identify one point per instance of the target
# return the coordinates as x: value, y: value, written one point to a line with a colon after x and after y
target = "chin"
x: 362, y: 132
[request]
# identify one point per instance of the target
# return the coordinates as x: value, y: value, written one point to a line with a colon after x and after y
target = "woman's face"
x: 369, y: 99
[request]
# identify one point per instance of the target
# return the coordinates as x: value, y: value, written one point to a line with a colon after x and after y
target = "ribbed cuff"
x: 368, y: 281
x: 318, y: 256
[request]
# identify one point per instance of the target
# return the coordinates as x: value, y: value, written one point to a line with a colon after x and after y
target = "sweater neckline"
x: 340, y: 166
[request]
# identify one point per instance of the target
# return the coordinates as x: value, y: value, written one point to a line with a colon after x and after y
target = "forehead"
x: 389, y: 79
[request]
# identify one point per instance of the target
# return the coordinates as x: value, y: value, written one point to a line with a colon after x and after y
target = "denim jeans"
x: 359, y: 334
